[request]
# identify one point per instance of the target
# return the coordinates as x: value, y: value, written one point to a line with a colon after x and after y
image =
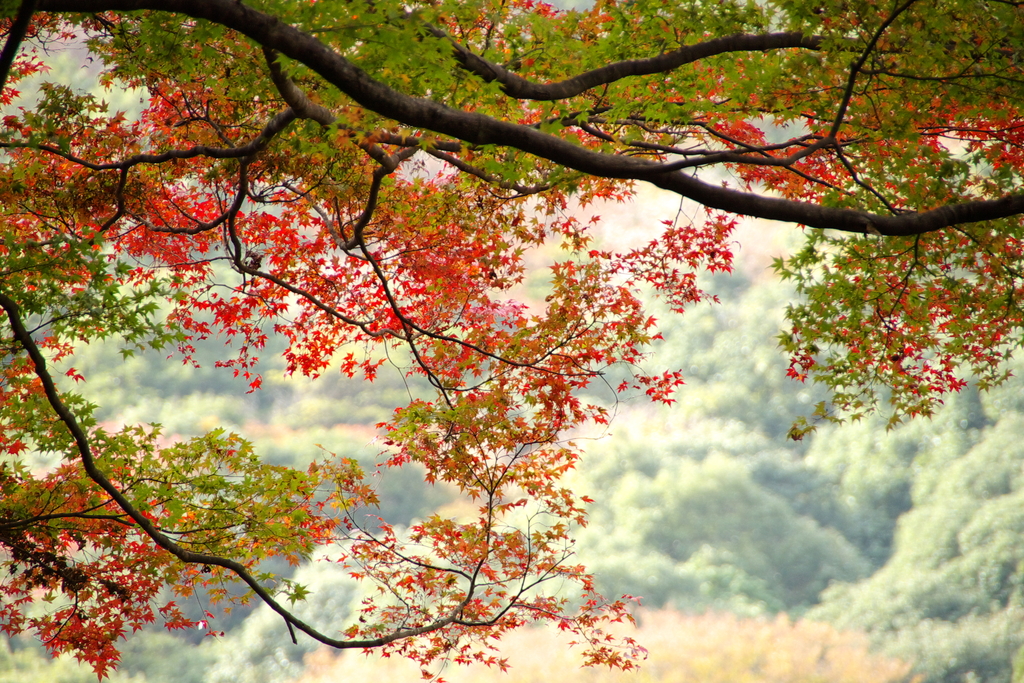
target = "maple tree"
x: 364, y: 177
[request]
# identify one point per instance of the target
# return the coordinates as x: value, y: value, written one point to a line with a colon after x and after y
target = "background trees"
x: 924, y: 510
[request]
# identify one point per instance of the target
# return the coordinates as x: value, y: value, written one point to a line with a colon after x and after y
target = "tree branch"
x: 274, y: 126
x: 84, y: 448
x: 19, y: 28
x: 479, y: 129
x: 859, y: 64
x: 521, y: 88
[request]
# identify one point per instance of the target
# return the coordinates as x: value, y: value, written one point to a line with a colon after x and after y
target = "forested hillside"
x: 913, y: 535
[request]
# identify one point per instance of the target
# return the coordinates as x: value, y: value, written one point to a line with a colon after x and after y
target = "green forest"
x: 899, y: 547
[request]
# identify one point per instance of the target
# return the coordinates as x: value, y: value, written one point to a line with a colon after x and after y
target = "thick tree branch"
x: 19, y: 28
x: 479, y: 129
x: 305, y: 108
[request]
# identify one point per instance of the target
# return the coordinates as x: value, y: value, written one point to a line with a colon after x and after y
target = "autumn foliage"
x: 367, y: 180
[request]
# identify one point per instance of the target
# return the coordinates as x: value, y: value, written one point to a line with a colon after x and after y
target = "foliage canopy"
x: 368, y: 179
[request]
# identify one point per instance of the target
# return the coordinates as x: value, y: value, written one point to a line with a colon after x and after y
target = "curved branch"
x: 276, y: 124
x: 479, y: 129
x: 519, y: 189
x: 226, y: 215
x: 84, y: 448
x: 305, y: 108
x: 30, y: 521
x: 523, y: 89
x: 856, y: 67
x: 236, y: 253
x: 755, y: 156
